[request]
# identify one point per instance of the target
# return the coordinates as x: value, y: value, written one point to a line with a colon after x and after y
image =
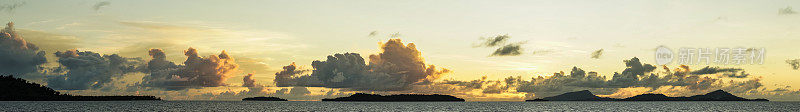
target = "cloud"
x: 795, y: 63
x: 17, y: 56
x: 397, y: 67
x: 786, y: 11
x: 734, y: 75
x: 542, y: 52
x: 89, y: 70
x: 373, y: 33
x: 726, y: 72
x: 248, y: 81
x: 714, y: 70
x: 512, y: 49
x: 195, y: 72
x: 11, y: 6
x: 509, y: 50
x: 635, y: 75
x: 299, y: 91
x: 99, y: 5
x: 597, y: 54
x: 395, y: 35
x: 498, y: 40
x: 293, y: 93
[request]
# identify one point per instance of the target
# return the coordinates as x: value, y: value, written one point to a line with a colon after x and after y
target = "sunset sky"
x: 263, y: 36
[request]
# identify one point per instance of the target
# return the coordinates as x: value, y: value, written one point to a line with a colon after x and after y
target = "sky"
x: 536, y: 39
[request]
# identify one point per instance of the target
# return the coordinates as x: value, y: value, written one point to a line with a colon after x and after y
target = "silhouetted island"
x: 396, y: 98
x: 586, y: 95
x: 264, y: 99
x: 16, y: 89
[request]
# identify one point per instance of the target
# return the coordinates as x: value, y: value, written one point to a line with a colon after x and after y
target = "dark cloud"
x: 17, y: 56
x: 299, y: 91
x: 89, y: 70
x: 597, y: 54
x: 511, y: 49
x: 474, y: 84
x: 99, y: 5
x: 795, y: 63
x: 248, y: 81
x: 725, y: 72
x: 514, y: 49
x: 285, y: 77
x: 373, y: 33
x: 741, y: 74
x: 498, y: 40
x: 397, y: 67
x: 714, y: 70
x: 195, y: 72
x: 786, y: 11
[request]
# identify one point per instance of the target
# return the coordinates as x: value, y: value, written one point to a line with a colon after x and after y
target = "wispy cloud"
x: 99, y: 5
x: 786, y: 11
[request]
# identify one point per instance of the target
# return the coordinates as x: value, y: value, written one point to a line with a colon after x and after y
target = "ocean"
x: 394, y: 106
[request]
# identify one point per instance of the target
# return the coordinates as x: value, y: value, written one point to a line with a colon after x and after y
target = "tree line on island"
x: 586, y: 95
x: 17, y: 89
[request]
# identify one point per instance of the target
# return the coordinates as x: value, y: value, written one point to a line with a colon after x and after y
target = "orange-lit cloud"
x: 397, y: 67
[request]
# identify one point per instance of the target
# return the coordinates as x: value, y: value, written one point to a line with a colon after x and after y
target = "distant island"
x: 586, y: 95
x: 16, y: 89
x: 397, y: 98
x: 264, y: 99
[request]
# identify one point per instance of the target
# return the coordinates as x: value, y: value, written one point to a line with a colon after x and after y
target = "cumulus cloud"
x: 293, y: 93
x: 597, y: 54
x: 99, y: 5
x: 795, y: 63
x: 89, y: 70
x: 397, y: 67
x: 195, y: 72
x: 299, y: 91
x: 248, y: 81
x: 17, y: 56
x: 786, y: 11
x: 635, y: 75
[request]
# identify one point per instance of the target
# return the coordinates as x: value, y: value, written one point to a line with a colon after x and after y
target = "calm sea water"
x: 391, y: 106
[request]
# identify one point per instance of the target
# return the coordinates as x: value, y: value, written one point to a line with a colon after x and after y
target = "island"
x: 264, y: 99
x: 586, y: 95
x: 398, y: 98
x: 17, y: 89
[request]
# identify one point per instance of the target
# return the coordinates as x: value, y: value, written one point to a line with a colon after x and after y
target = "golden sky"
x: 263, y: 36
